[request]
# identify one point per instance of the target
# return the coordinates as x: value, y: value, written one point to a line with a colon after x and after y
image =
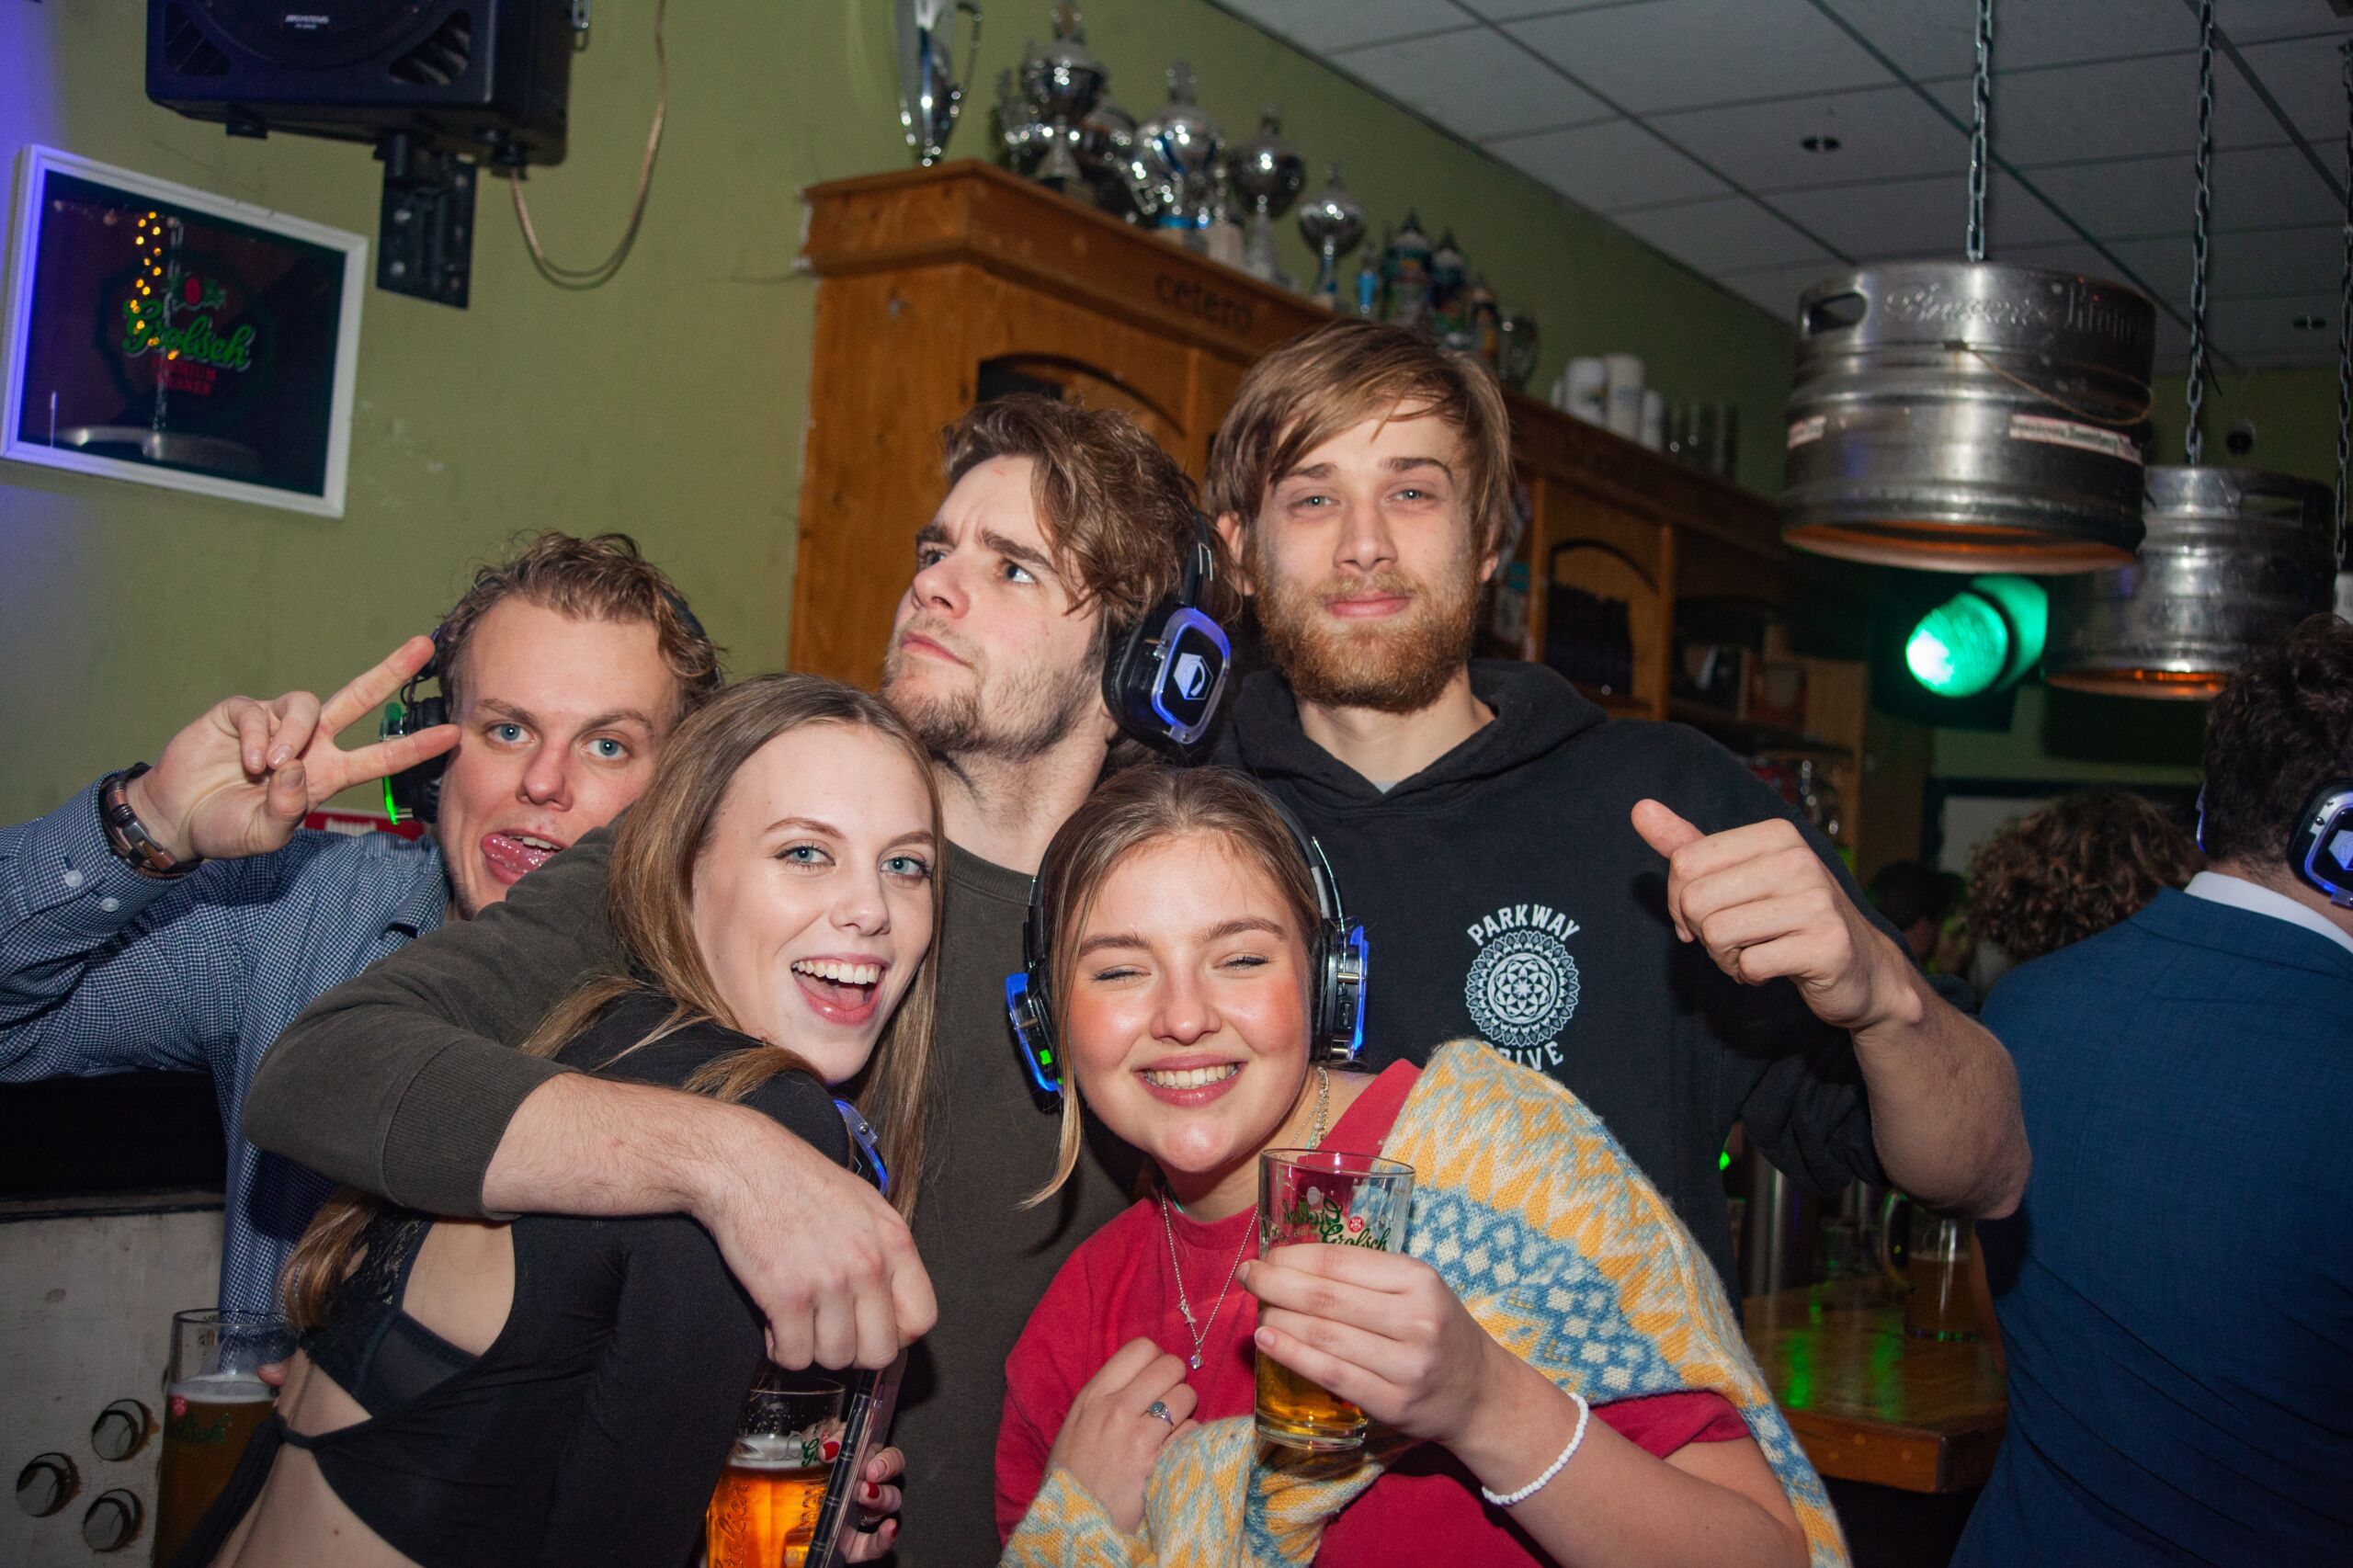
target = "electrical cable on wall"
x: 581, y: 278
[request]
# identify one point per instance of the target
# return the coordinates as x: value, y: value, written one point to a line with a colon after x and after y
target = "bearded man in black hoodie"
x: 1619, y: 904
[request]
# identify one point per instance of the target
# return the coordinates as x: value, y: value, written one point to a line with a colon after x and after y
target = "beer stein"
x: 1939, y: 1254
x: 930, y: 97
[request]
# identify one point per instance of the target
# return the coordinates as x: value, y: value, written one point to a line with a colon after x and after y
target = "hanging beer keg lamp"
x: 1962, y: 416
x: 2234, y: 557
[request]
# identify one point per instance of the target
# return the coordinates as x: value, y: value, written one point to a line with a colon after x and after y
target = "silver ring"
x: 1159, y: 1411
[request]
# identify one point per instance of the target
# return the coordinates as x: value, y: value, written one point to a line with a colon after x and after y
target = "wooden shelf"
x: 1751, y: 737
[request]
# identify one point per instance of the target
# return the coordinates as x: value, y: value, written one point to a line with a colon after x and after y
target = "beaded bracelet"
x: 1507, y: 1499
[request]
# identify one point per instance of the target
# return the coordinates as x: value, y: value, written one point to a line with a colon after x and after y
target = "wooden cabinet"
x: 936, y: 285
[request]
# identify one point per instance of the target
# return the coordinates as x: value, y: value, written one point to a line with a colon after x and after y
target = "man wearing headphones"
x: 1617, y: 903
x: 1057, y: 601
x: 173, y: 917
x: 2175, y: 1292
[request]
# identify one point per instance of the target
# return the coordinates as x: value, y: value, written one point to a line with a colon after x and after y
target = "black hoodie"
x: 1505, y: 895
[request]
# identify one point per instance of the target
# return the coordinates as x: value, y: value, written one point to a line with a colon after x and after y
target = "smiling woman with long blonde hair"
x: 563, y: 1391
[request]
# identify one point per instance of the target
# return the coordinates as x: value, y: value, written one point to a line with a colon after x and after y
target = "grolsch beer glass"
x: 213, y: 1399
x: 1314, y: 1195
x: 764, y: 1511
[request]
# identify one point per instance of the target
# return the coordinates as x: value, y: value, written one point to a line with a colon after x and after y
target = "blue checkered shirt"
x: 104, y: 971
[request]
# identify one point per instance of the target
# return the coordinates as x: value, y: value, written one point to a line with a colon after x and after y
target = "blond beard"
x: 1396, y: 667
x: 1024, y: 716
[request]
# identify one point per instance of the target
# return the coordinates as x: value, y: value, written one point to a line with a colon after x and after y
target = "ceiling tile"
x: 1476, y: 83
x: 1609, y: 166
x: 2252, y: 265
x: 1512, y: 10
x: 2252, y: 21
x: 2266, y: 329
x: 2257, y: 188
x: 1884, y: 133
x: 1776, y: 289
x: 1715, y: 237
x: 2306, y: 77
x: 2161, y: 265
x: 2073, y: 256
x: 2123, y: 108
x: 1939, y: 39
x: 1919, y: 217
x: 1669, y: 54
x: 1321, y: 25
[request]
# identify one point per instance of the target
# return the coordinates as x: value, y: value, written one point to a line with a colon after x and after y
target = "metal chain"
x: 2345, y: 325
x: 1982, y: 102
x: 2193, y: 440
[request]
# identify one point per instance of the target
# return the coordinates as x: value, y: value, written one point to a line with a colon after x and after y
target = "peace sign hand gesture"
x: 240, y: 780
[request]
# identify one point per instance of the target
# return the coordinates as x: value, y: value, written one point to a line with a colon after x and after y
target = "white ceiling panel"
x: 1321, y: 26
x: 2259, y: 188
x: 1883, y: 133
x: 1611, y: 165
x: 1920, y: 217
x: 1670, y: 54
x: 1476, y: 82
x: 2120, y: 108
x: 2306, y: 77
x: 2265, y: 331
x: 2072, y: 256
x: 1512, y: 10
x: 1927, y: 39
x: 1776, y: 290
x: 2252, y: 21
x: 1715, y: 237
x: 2259, y: 264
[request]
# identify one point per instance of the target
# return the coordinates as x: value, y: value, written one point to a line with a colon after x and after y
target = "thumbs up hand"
x: 1765, y: 906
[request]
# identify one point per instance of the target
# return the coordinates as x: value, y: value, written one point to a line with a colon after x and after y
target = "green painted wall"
x: 670, y: 403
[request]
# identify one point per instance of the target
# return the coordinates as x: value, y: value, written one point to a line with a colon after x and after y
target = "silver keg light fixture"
x: 1961, y: 416
x: 2234, y: 557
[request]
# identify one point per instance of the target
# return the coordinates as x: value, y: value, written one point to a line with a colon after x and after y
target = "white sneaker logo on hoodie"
x: 1522, y: 988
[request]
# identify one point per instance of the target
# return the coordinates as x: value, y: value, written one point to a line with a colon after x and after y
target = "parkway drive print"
x: 1522, y: 988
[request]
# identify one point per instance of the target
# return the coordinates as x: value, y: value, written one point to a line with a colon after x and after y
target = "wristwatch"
x: 129, y: 837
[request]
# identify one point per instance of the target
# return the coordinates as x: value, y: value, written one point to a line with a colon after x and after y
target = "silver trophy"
x: 1107, y: 141
x: 1517, y: 359
x: 929, y: 95
x: 1063, y: 82
x: 1332, y: 224
x: 1174, y: 172
x: 1264, y: 175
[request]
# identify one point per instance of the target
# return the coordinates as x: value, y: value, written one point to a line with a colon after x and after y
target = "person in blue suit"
x: 2176, y: 1292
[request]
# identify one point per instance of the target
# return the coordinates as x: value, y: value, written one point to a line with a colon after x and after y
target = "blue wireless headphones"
x: 2320, y: 842
x: 1167, y: 675
x: 1338, y: 962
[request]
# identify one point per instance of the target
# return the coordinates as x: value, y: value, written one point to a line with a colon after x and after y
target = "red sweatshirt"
x: 1117, y: 1287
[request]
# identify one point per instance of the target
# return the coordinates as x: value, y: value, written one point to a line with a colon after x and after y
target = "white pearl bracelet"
x: 1507, y: 1499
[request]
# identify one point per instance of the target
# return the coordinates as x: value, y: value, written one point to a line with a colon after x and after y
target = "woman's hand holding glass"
x: 1118, y: 1424
x: 1381, y: 1330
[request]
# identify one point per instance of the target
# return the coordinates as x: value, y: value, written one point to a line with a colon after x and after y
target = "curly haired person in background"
x: 2074, y: 869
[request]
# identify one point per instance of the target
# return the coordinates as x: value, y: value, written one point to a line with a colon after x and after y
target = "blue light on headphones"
x: 1022, y: 1009
x: 1194, y: 654
x: 866, y: 1147
x: 1360, y: 955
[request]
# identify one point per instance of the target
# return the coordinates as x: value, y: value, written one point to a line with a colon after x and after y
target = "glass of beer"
x: 764, y: 1511
x: 1312, y: 1195
x: 213, y: 1398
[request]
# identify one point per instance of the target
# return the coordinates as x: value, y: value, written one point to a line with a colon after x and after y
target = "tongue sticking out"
x: 841, y: 994
x: 512, y: 855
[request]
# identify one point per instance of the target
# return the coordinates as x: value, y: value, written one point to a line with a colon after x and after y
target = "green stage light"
x: 1985, y: 636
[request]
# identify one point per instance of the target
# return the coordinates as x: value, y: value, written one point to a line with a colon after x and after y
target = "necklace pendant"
x: 1196, y: 1361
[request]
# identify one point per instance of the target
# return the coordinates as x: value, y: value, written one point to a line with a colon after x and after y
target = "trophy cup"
x: 1064, y: 82
x: 1331, y: 223
x: 1517, y: 355
x: 1264, y: 174
x: 929, y: 96
x: 1107, y: 141
x: 1176, y: 159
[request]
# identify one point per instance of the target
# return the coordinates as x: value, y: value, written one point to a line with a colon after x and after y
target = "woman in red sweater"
x: 1177, y: 922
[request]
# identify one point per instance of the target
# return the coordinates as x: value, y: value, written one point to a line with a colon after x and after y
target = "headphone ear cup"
x: 1033, y: 1029
x: 415, y: 792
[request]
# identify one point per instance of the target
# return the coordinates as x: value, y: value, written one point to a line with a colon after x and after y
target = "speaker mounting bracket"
x: 425, y: 235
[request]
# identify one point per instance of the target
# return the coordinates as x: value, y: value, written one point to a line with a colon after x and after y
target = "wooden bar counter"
x: 1870, y: 1402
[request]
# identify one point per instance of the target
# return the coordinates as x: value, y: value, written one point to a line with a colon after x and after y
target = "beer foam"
x: 222, y: 1388
x: 769, y: 1452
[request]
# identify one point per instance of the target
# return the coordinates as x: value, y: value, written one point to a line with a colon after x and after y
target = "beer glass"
x: 1940, y: 1255
x: 1312, y: 1195
x: 764, y: 1511
x: 213, y: 1399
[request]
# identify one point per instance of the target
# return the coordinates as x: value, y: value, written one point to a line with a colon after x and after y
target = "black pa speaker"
x: 484, y: 78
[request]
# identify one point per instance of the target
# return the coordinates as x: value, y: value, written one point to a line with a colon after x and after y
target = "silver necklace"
x: 1200, y: 1332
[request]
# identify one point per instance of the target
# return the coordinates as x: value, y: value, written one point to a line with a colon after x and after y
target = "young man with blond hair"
x: 1060, y: 526
x: 1627, y: 907
x: 174, y: 917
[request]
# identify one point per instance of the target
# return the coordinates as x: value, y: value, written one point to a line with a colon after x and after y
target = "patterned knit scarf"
x: 1560, y: 1247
